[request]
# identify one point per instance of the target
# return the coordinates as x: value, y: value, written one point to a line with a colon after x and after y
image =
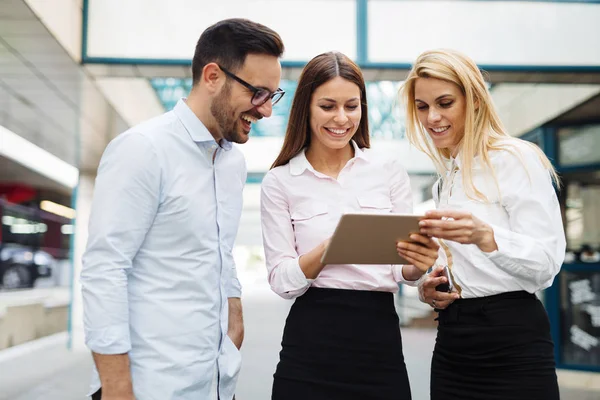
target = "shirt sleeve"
x: 284, y: 273
x: 125, y: 202
x: 533, y: 249
x: 402, y: 202
x: 233, y: 287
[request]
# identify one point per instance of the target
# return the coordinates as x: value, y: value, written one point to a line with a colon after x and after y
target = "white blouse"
x: 300, y: 208
x: 525, y: 217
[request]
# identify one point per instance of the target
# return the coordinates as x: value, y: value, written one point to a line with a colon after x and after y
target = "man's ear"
x: 212, y: 77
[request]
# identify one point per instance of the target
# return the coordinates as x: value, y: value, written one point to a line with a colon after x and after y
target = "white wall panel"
x: 491, y: 32
x: 170, y: 29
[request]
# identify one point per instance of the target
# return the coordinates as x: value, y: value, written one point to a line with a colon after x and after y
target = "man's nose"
x: 266, y: 109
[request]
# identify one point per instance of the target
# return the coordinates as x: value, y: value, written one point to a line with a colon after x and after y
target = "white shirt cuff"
x: 399, y: 276
x: 111, y: 340
x: 502, y: 236
x: 296, y: 278
x: 233, y: 289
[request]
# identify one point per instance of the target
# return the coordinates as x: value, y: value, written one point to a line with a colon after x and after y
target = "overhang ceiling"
x: 45, y: 96
x: 588, y: 111
x: 13, y: 172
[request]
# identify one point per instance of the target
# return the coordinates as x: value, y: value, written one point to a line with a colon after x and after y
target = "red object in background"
x: 17, y: 193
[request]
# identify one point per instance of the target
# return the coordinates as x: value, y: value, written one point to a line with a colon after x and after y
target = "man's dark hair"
x: 228, y: 42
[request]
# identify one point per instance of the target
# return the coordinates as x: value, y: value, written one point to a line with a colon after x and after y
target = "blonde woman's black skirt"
x: 494, y: 348
x: 341, y: 344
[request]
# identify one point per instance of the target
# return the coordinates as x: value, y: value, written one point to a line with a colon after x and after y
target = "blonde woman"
x: 500, y: 227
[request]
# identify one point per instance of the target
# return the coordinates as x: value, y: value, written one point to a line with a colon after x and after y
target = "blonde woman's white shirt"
x: 526, y: 219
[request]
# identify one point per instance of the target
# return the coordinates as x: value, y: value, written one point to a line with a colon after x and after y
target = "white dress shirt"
x: 300, y: 208
x: 158, y: 268
x: 526, y: 220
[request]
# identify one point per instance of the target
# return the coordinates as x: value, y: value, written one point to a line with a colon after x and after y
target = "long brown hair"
x: 318, y: 71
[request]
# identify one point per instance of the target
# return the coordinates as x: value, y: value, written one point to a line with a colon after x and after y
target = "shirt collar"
x: 194, y: 126
x: 299, y: 163
x: 359, y: 153
x: 456, y: 160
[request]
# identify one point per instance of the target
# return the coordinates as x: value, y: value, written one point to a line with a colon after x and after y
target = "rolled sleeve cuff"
x: 296, y: 278
x: 502, y: 236
x: 399, y: 276
x: 234, y: 289
x: 111, y: 340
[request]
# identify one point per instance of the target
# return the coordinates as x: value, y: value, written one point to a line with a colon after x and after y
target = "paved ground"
x: 53, y: 373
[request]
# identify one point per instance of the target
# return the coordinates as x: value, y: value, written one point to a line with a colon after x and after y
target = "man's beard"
x: 225, y: 117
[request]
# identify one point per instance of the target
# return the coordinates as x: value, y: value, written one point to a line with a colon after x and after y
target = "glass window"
x: 582, y: 216
x: 35, y: 229
x: 21, y: 226
x: 56, y: 240
x: 386, y: 120
x: 579, y: 146
x: 580, y: 318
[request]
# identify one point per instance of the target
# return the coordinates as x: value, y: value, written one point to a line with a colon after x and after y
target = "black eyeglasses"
x: 260, y: 96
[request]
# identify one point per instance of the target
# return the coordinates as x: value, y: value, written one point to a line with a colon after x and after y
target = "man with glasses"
x: 162, y: 309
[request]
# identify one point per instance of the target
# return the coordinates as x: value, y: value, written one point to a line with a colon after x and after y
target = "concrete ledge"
x: 579, y: 380
x: 32, y: 314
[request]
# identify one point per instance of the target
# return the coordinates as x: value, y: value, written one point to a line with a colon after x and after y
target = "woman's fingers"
x: 418, y: 254
x: 425, y: 240
x: 418, y: 248
x: 436, y: 273
x: 440, y: 299
x: 416, y: 259
x: 447, y: 224
x: 441, y: 305
x: 422, y: 267
x: 446, y: 213
x: 456, y: 235
x: 429, y: 295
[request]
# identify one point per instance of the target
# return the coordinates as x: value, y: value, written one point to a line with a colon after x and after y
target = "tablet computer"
x: 370, y: 238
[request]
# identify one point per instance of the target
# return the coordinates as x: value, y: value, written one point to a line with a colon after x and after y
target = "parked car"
x: 20, y: 267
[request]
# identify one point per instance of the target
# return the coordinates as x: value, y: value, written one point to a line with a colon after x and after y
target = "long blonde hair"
x: 484, y: 131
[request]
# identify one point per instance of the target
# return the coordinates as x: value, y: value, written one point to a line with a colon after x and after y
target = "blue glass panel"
x: 385, y: 119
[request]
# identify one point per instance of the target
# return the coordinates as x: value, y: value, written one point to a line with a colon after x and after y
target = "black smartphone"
x: 448, y: 286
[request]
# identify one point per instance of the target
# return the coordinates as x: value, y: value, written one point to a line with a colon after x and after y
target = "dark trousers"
x: 494, y: 348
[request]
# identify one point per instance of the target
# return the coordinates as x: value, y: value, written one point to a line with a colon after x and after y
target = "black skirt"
x: 341, y: 344
x: 496, y: 347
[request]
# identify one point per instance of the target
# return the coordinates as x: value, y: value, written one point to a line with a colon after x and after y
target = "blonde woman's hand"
x: 421, y: 253
x: 459, y: 226
x: 428, y: 294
